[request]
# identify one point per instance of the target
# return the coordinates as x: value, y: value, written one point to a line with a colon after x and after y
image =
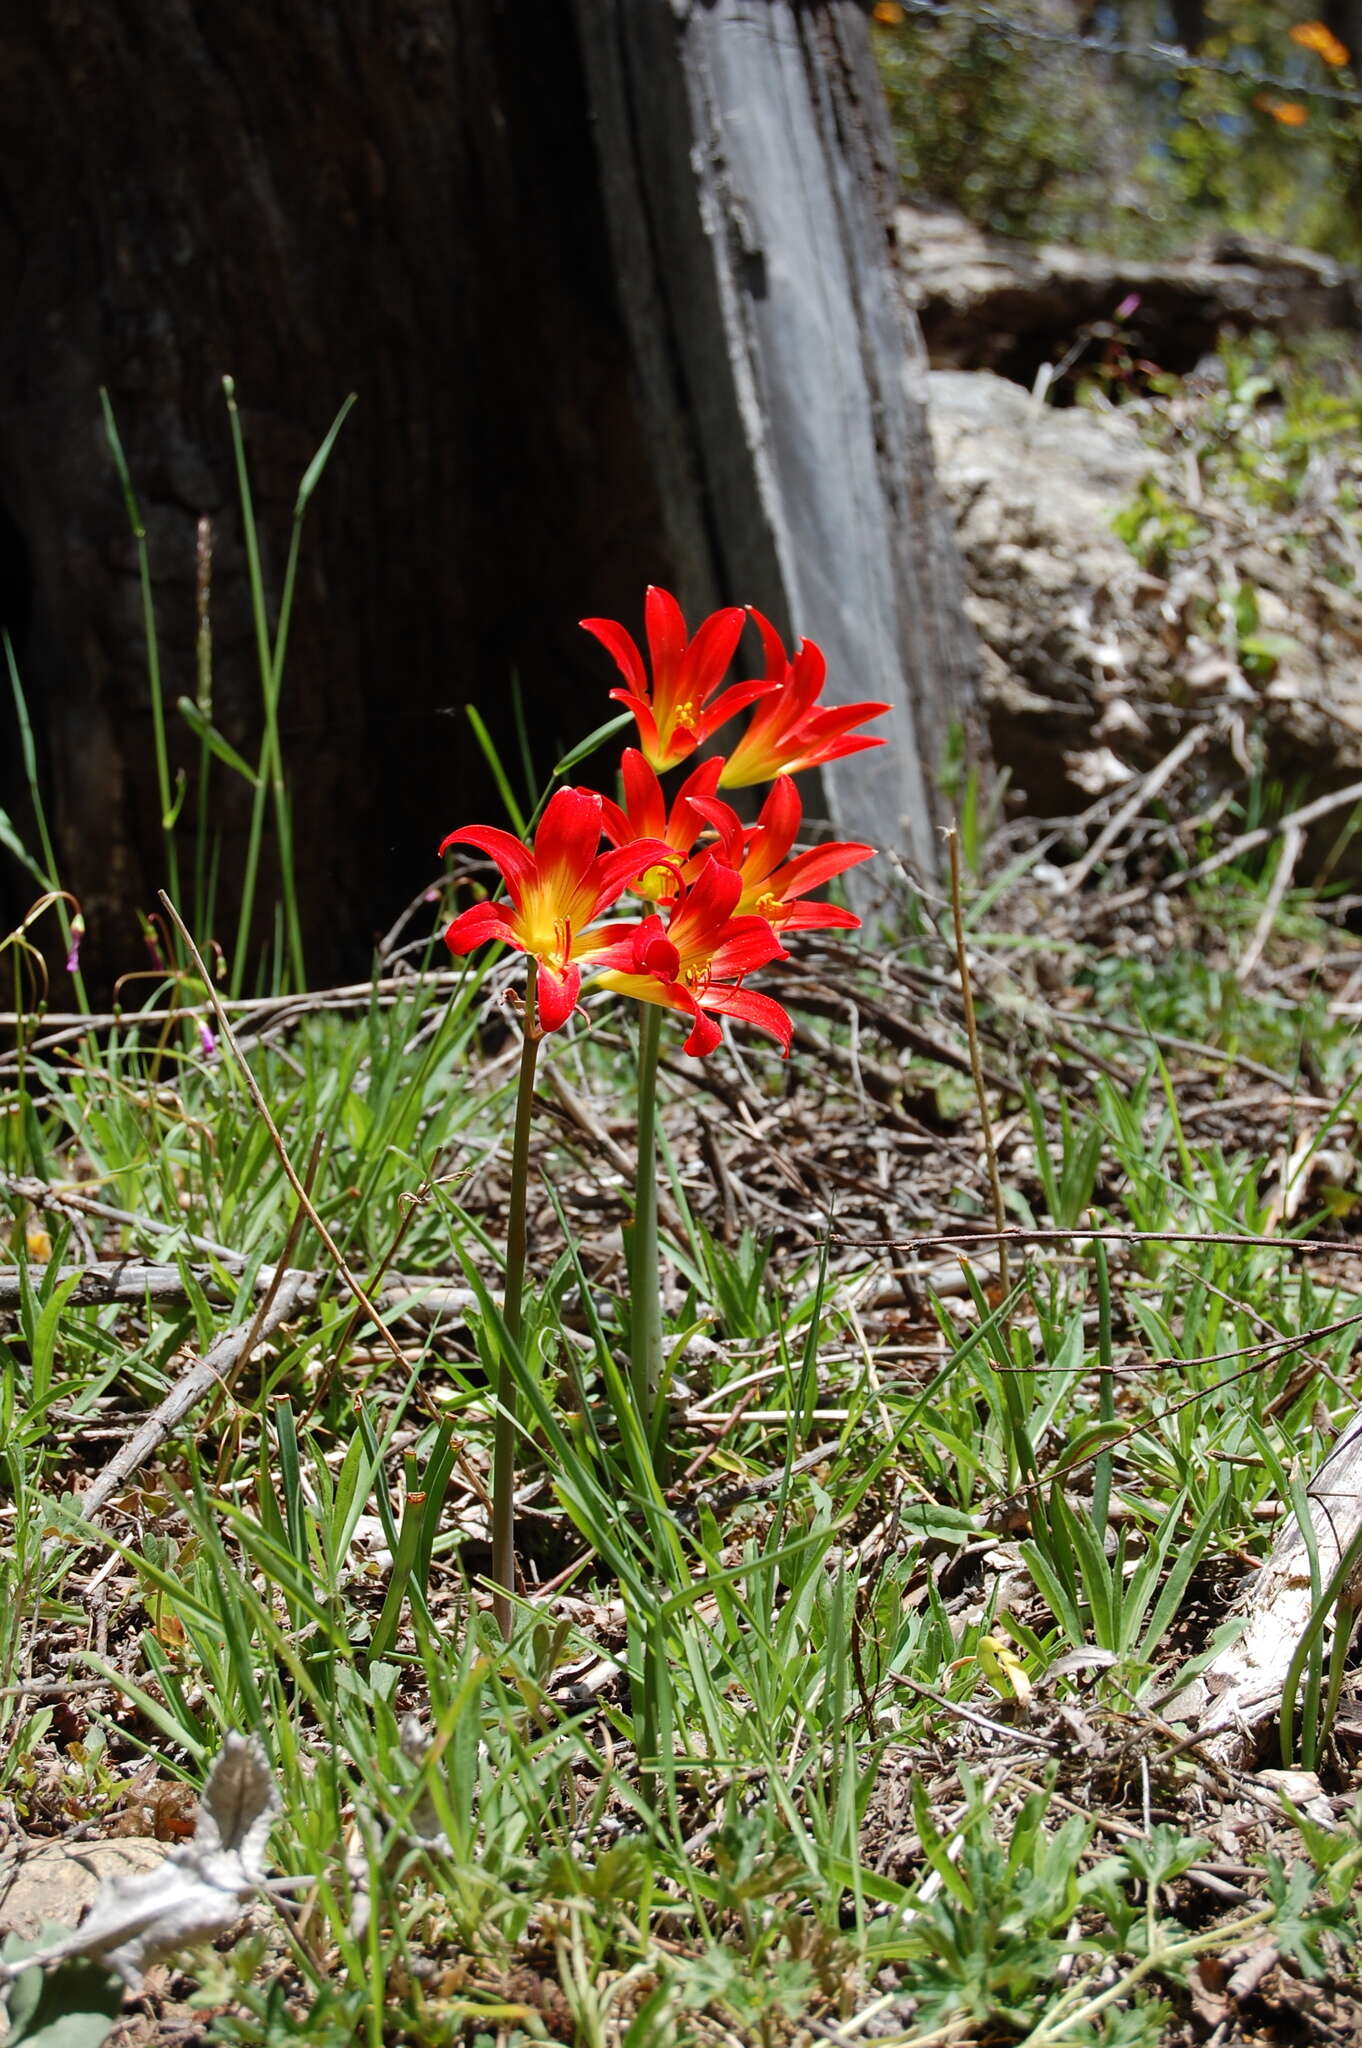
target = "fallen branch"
x: 133, y: 1282
x: 202, y: 1377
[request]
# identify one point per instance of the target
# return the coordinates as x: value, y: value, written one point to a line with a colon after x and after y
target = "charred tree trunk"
x: 613, y: 286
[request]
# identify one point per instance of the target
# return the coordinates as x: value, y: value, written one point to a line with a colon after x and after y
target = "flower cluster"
x: 716, y: 894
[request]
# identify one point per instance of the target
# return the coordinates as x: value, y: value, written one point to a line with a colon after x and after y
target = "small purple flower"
x: 1129, y: 304
x: 77, y: 934
x: 206, y: 1039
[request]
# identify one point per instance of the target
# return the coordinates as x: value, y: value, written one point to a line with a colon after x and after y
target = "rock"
x: 52, y: 1883
x: 1084, y: 650
x: 1063, y: 611
x: 988, y: 303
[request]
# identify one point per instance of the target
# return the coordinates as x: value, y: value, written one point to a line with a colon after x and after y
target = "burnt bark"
x: 428, y: 204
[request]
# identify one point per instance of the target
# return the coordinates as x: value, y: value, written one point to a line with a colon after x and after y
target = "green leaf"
x: 585, y: 748
x: 76, y: 2004
x: 11, y: 841
x: 204, y: 729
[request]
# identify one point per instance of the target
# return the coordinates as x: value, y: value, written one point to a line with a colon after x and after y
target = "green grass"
x: 789, y: 1793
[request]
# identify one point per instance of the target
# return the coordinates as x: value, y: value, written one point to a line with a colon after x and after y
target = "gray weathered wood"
x: 747, y: 175
x: 1229, y: 1705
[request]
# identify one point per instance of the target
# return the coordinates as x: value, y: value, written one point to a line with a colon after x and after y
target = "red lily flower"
x: 790, y: 731
x: 555, y: 891
x: 646, y: 816
x: 672, y: 721
x: 756, y: 852
x: 696, y: 960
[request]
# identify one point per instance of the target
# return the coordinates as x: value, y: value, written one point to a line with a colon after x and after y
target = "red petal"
x: 772, y: 647
x: 565, y: 844
x: 705, y: 1034
x: 747, y: 943
x: 730, y: 701
x: 833, y: 750
x: 726, y: 823
x: 808, y: 870
x: 643, y: 798
x: 779, y: 819
x: 556, y: 996
x: 711, y: 651
x: 816, y: 917
x: 666, y: 631
x: 484, y: 922
x: 643, y: 719
x: 702, y: 781
x: 516, y: 862
x: 615, y: 870
x: 617, y: 828
x: 707, y: 905
x: 752, y: 1008
x: 622, y: 646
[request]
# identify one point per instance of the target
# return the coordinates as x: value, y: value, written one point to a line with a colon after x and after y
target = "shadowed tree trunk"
x: 613, y: 286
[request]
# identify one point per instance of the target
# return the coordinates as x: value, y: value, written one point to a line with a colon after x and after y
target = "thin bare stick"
x: 1308, y: 814
x: 1148, y: 786
x: 955, y: 1240
x: 203, y: 1376
x: 1293, y: 841
x: 976, y: 1061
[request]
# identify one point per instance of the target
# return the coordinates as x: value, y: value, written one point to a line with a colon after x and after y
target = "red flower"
x: 672, y: 721
x: 790, y: 731
x: 695, y: 962
x: 556, y: 891
x: 646, y: 816
x: 756, y: 852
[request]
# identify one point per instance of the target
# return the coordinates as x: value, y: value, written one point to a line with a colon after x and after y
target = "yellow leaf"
x: 1004, y: 1670
x: 1319, y: 37
x: 1290, y: 113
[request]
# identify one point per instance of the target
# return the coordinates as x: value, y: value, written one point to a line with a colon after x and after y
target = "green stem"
x: 165, y: 788
x: 645, y: 1276
x: 504, y: 1433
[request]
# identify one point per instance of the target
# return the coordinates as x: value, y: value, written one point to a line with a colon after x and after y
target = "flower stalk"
x: 505, y: 1426
x: 645, y: 1269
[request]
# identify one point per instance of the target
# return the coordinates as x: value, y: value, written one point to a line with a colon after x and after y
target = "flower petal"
x: 747, y: 943
x: 643, y: 798
x: 623, y: 864
x: 623, y: 647
x: 726, y: 822
x: 810, y: 870
x: 711, y: 651
x: 666, y: 631
x: 485, y: 921
x: 566, y: 841
x: 814, y: 917
x: 729, y: 702
x: 772, y: 646
x: 515, y: 862
x: 643, y: 719
x: 752, y: 1008
x: 556, y: 996
x: 706, y: 907
x: 705, y: 1034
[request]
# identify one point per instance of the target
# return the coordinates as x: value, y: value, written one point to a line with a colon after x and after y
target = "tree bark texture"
x: 748, y: 175
x: 612, y: 285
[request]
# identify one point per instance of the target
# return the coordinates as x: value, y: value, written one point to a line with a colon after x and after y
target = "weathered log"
x: 747, y: 171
